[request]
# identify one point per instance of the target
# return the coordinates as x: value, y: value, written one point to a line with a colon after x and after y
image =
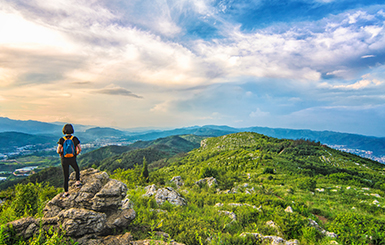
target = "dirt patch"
x: 322, y: 218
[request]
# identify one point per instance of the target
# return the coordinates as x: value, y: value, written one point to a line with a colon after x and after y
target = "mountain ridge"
x: 367, y: 146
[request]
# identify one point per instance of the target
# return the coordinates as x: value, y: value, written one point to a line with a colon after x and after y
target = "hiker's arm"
x: 59, y: 149
x: 78, y: 149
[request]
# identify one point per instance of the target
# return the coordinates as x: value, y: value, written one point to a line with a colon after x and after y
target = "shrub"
x: 307, y: 184
x: 268, y: 171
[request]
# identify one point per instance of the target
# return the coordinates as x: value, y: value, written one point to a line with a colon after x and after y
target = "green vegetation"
x: 258, y: 178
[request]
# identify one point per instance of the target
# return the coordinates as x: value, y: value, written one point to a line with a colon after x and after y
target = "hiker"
x: 68, y: 148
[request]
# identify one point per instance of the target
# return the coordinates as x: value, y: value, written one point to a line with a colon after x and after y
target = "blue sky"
x: 316, y: 64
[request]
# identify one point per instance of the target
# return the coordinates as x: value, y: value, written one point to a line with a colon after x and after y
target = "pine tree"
x: 144, y: 173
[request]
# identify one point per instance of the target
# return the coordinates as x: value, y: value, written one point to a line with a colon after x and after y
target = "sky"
x: 300, y: 64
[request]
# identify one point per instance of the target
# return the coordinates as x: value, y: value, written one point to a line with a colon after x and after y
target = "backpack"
x: 68, y: 147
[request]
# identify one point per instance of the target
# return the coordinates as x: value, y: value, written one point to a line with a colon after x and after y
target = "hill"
x: 9, y: 141
x: 365, y: 146
x: 287, y: 182
x: 248, y: 188
x: 111, y: 158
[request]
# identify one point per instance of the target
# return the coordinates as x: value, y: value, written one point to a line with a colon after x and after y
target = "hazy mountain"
x: 9, y: 141
x: 29, y: 127
x: 366, y: 146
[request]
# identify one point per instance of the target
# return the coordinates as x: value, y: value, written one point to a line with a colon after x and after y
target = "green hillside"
x: 111, y: 158
x: 342, y: 192
x: 264, y: 185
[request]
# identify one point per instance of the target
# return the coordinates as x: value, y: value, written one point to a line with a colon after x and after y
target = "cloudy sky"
x: 302, y: 64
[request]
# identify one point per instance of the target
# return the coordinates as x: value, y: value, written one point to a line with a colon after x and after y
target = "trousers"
x: 66, y: 163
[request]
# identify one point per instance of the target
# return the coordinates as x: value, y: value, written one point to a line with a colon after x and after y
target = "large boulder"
x: 165, y: 194
x: 96, y: 208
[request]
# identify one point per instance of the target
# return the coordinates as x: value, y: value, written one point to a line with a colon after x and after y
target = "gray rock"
x: 178, y: 181
x: 121, y: 219
x: 95, y: 209
x: 289, y: 209
x: 78, y: 222
x: 209, y: 181
x: 154, y: 242
x: 273, y: 240
x: 150, y: 190
x: 230, y: 214
x: 24, y: 227
x: 110, y: 196
x: 322, y: 230
x: 170, y: 195
x: 127, y: 204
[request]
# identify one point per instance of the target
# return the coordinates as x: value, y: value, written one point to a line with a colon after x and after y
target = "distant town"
x: 362, y: 153
x: 39, y: 148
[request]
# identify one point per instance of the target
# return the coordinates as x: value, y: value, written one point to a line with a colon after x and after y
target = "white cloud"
x: 259, y: 113
x: 368, y: 56
x: 365, y: 82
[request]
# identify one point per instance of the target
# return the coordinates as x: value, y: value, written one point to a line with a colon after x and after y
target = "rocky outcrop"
x: 231, y: 215
x: 178, y: 181
x: 271, y: 239
x: 165, y: 194
x: 94, y: 209
x: 322, y: 230
x: 209, y: 181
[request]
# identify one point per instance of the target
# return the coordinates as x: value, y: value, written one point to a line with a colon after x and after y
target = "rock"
x: 154, y: 242
x: 78, y: 221
x: 95, y: 209
x: 122, y: 239
x: 127, y: 204
x: 151, y: 190
x: 110, y: 196
x: 161, y: 235
x: 170, y: 195
x: 271, y: 239
x: 121, y: 218
x: 165, y: 194
x: 322, y: 230
x: 272, y: 224
x: 218, y: 204
x: 204, y: 143
x: 178, y: 181
x: 289, y: 209
x: 209, y: 181
x: 230, y: 214
x: 25, y: 227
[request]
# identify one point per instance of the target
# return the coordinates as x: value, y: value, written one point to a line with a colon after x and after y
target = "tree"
x: 144, y: 173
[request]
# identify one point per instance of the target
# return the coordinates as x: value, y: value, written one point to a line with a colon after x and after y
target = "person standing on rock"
x: 68, y: 148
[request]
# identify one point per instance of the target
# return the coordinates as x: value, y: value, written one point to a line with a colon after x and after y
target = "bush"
x: 268, y: 171
x: 307, y: 184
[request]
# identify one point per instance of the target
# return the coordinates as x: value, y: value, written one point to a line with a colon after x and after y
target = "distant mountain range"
x: 366, y: 146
